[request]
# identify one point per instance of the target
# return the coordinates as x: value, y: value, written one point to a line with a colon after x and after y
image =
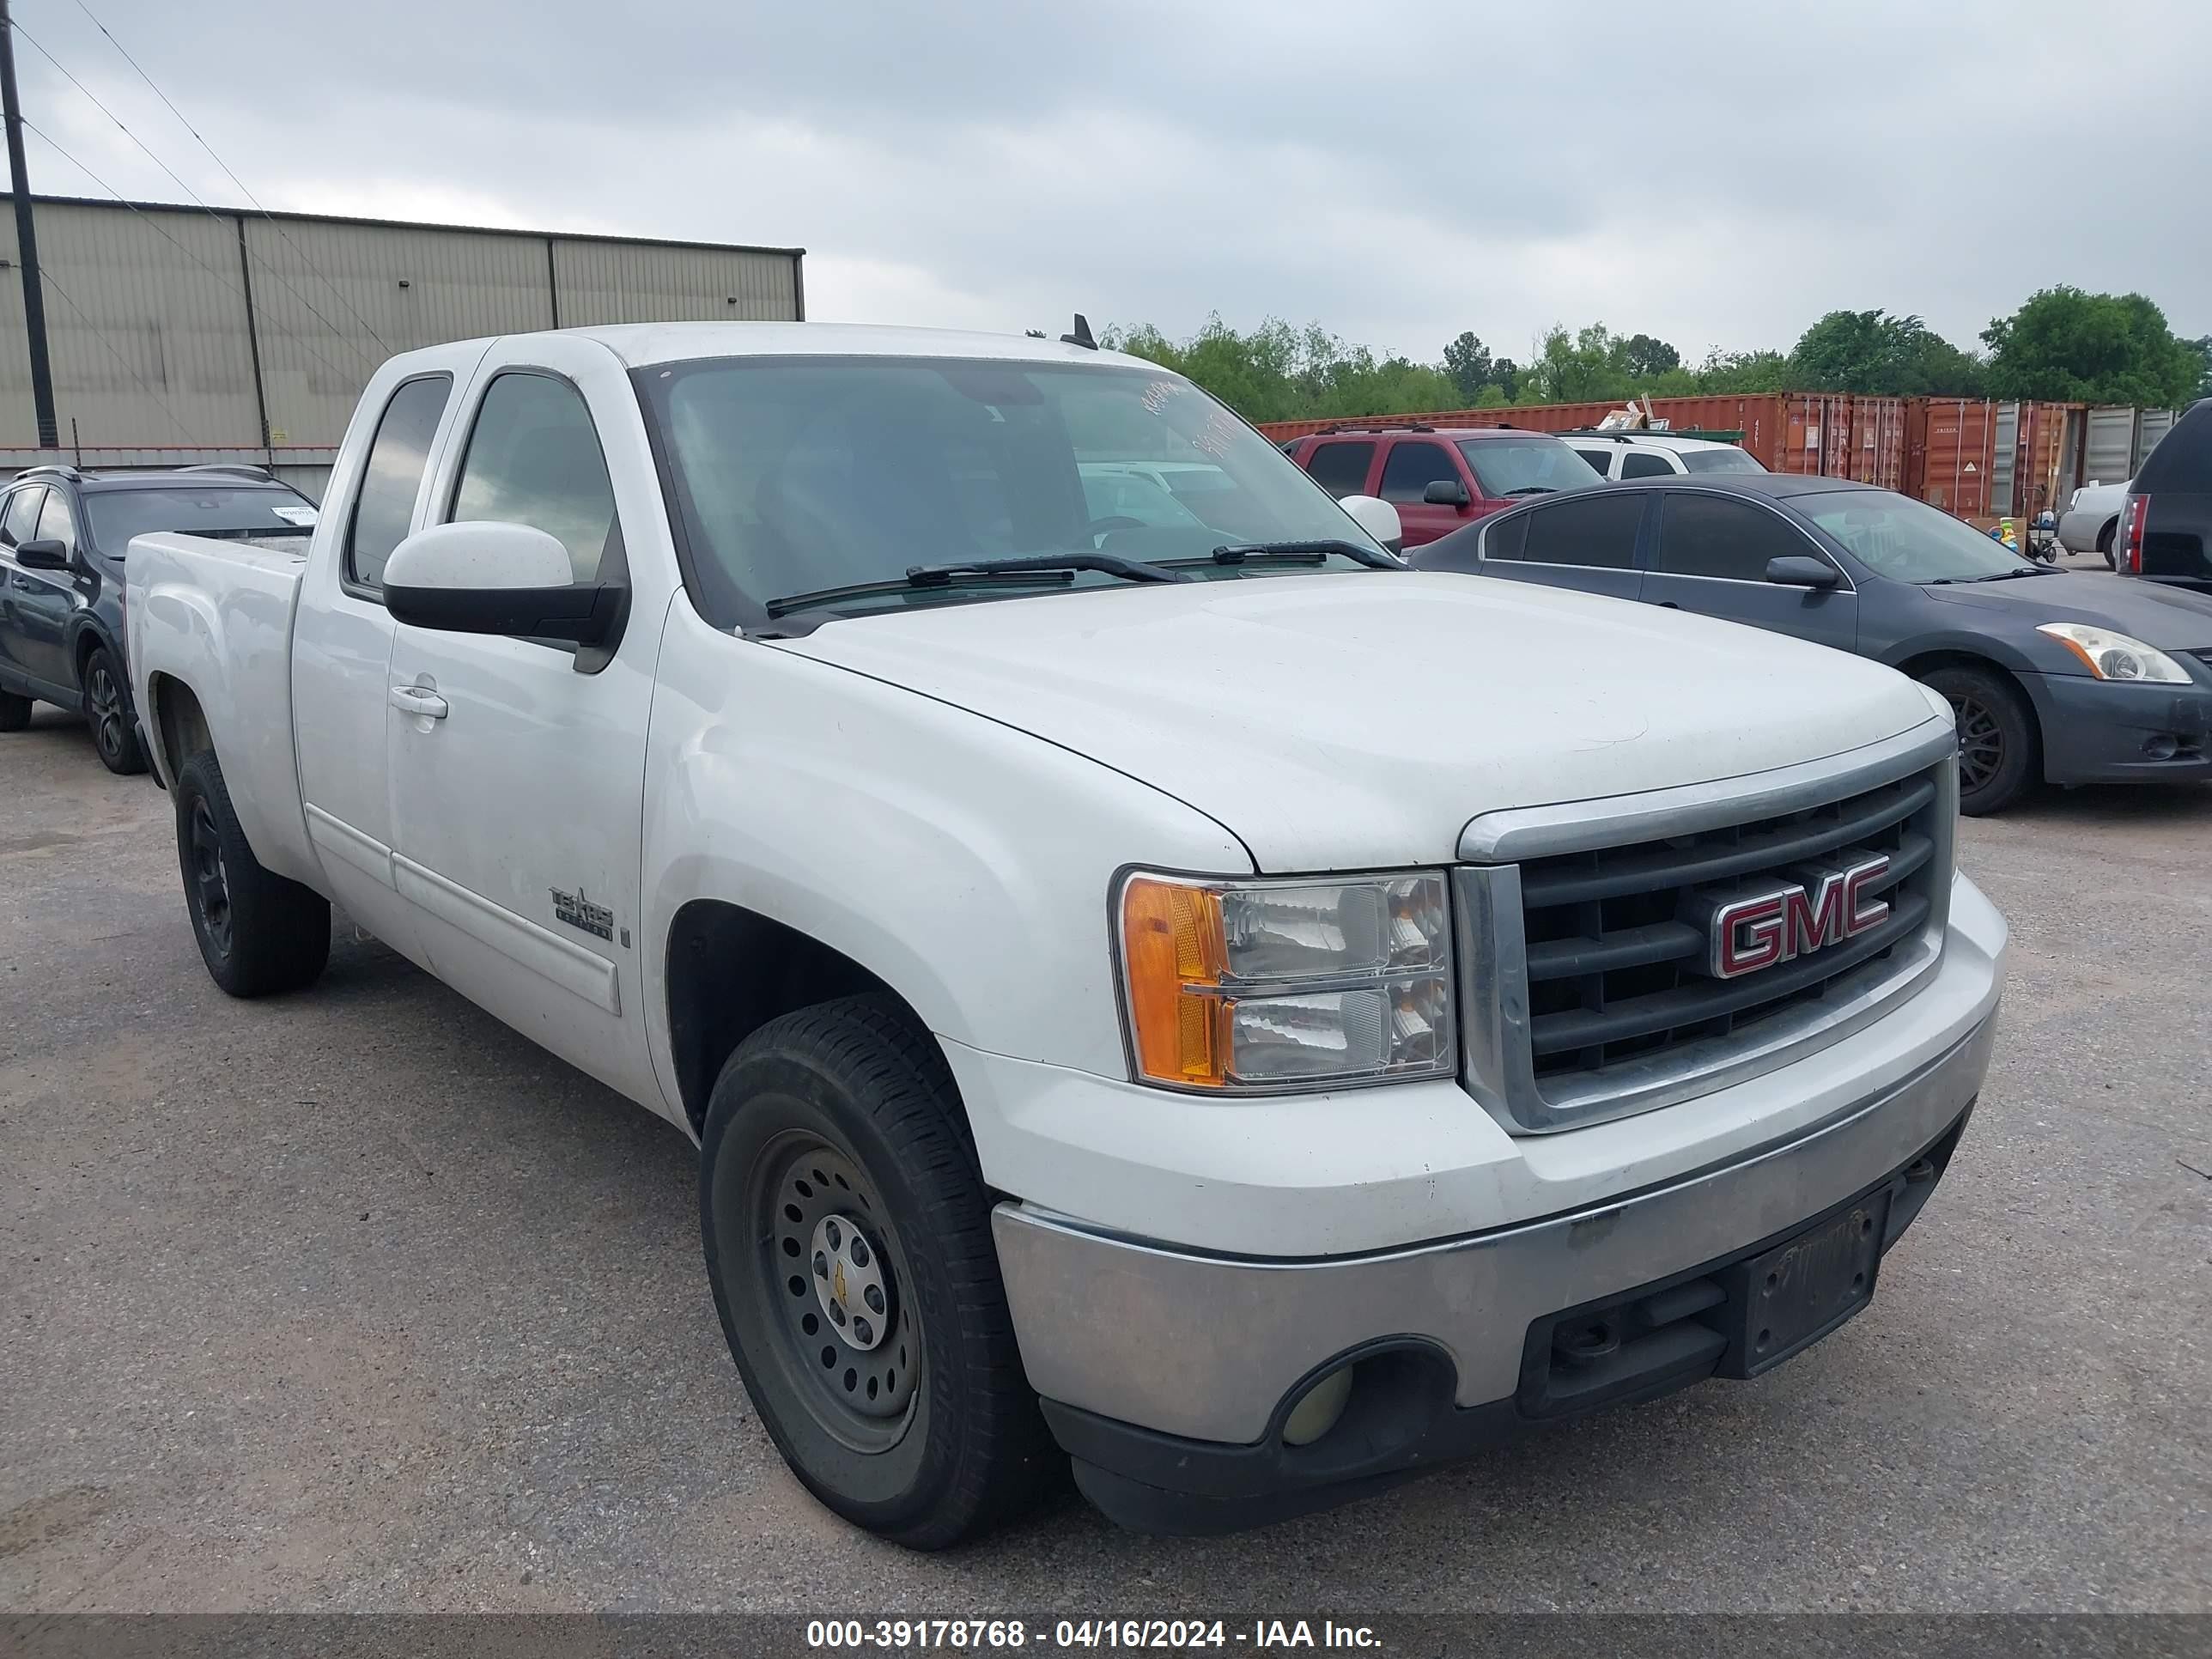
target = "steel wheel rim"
x: 1981, y: 742
x: 864, y: 1393
x: 106, y: 703
x: 210, y: 879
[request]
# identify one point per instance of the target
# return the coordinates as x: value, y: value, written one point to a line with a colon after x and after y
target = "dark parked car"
x: 2166, y: 522
x: 2054, y: 675
x: 61, y: 536
x: 1440, y: 479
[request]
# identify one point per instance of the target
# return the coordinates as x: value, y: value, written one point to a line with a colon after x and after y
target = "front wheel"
x: 847, y: 1235
x: 1998, y: 756
x: 258, y: 932
x: 107, y: 706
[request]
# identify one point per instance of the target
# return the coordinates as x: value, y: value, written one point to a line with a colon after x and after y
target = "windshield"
x: 117, y: 515
x: 796, y: 475
x: 1729, y: 459
x: 1906, y: 540
x: 1506, y: 466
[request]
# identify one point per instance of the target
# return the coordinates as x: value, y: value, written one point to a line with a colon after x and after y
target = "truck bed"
x: 212, y: 617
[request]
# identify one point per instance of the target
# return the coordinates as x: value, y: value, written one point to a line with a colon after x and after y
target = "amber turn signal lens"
x: 1171, y: 945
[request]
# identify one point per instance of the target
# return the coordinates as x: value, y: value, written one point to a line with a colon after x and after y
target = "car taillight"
x: 2131, y: 534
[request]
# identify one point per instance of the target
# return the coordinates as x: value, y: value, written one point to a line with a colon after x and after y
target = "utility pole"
x: 26, y: 241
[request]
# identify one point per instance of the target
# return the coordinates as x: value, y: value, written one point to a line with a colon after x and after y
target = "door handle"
x: 413, y: 700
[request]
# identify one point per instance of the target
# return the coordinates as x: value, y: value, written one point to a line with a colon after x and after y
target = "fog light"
x: 2162, y: 745
x: 1318, y: 1408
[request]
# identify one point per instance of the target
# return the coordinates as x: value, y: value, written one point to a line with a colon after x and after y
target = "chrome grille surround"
x: 1659, y: 833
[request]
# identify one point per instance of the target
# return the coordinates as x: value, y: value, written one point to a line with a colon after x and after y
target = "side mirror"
x: 1378, y: 518
x: 45, y: 554
x: 1447, y: 492
x: 1803, y: 570
x: 482, y: 578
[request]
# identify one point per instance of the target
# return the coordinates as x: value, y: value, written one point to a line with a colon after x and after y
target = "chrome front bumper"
x: 1210, y: 1347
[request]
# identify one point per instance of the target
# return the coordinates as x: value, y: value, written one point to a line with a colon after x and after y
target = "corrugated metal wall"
x: 621, y: 282
x: 145, y: 325
x: 2111, y: 452
x: 153, y: 359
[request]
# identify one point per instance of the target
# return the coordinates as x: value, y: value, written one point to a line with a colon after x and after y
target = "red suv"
x: 1440, y: 477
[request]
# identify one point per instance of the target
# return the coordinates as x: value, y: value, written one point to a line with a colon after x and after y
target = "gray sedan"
x: 2053, y: 675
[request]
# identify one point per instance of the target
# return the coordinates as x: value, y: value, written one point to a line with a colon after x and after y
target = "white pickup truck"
x: 1155, y: 983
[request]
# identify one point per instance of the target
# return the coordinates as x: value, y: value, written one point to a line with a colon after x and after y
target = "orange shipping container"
x: 1950, y: 452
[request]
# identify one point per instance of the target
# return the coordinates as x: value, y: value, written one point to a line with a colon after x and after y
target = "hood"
x: 1359, y: 720
x: 2171, y: 618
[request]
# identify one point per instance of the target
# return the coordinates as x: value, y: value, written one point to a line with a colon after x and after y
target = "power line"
x: 233, y: 177
x: 46, y: 278
x: 155, y: 225
x: 373, y: 363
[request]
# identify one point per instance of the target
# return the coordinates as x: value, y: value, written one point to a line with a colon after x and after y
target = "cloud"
x: 1396, y: 172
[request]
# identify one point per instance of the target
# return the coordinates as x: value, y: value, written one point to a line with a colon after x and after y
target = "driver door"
x: 518, y: 765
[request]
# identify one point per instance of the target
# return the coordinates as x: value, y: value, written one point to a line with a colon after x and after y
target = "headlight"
x: 1253, y: 986
x: 2112, y: 656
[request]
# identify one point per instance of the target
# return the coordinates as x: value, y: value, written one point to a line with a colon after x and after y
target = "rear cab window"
x: 384, y: 510
x: 1643, y: 463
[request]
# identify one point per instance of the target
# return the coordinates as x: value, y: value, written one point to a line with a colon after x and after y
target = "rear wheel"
x: 258, y: 932
x: 2104, y: 545
x: 848, y: 1237
x: 107, y: 706
x: 1999, y: 758
x: 15, y: 712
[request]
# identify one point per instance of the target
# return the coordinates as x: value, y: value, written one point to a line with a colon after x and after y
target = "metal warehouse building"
x: 180, y: 335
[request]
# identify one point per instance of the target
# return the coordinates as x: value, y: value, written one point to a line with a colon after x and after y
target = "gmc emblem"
x: 1747, y: 934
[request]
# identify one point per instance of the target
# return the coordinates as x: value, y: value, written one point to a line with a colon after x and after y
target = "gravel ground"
x: 354, y: 1301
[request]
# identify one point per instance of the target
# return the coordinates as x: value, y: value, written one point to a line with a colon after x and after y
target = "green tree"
x: 2067, y: 346
x: 1467, y: 361
x: 2203, y: 345
x: 1724, y: 374
x: 1573, y: 369
x: 1645, y: 358
x: 1277, y: 372
x: 1874, y: 353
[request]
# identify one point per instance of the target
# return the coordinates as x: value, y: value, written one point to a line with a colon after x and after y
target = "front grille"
x: 1614, y: 973
x: 1592, y: 989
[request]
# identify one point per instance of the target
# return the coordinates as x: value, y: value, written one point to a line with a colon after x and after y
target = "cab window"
x: 383, y: 511
x: 22, y: 512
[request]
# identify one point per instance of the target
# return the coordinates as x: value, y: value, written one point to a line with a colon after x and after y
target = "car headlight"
x: 1252, y: 985
x: 2112, y: 656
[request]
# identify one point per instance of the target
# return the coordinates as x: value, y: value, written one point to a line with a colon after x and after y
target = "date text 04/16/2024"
x: 973, y: 1634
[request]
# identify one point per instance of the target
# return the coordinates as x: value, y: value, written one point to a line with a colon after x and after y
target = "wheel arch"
x: 177, y: 723
x: 1925, y: 663
x: 728, y: 970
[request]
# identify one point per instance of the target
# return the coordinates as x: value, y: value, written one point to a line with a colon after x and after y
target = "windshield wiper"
x: 2024, y: 570
x: 1305, y: 552
x: 1530, y: 490
x: 1041, y: 570
x: 1113, y: 564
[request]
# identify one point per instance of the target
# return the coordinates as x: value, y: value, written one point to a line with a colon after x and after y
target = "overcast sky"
x: 1718, y: 174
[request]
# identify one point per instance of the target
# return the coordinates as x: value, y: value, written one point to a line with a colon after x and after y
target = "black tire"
x: 15, y: 712
x: 2000, y: 757
x: 107, y: 706
x: 2104, y: 545
x: 846, y: 1113
x: 258, y: 932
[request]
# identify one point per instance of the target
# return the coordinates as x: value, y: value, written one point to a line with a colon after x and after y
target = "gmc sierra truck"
x: 1155, y: 983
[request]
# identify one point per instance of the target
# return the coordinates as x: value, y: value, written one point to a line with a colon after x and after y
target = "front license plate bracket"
x: 1787, y: 1298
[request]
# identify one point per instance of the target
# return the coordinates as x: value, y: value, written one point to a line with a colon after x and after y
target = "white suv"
x: 1642, y: 454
